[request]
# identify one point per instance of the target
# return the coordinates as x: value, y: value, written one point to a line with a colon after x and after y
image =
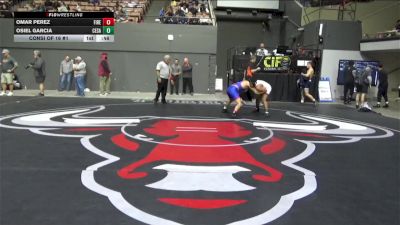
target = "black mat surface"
x: 85, y: 161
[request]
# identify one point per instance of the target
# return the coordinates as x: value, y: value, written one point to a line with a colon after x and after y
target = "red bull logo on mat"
x: 192, y: 170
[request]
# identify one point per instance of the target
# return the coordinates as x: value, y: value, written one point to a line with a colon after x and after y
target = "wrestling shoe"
x: 2, y: 93
x: 224, y: 109
x: 234, y: 115
x: 386, y: 106
x: 267, y: 114
x: 10, y: 94
x: 256, y: 110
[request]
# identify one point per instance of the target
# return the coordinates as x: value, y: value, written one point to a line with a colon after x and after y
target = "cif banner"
x: 274, y: 63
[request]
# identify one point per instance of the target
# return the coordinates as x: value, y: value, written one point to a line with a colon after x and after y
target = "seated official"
x: 262, y: 51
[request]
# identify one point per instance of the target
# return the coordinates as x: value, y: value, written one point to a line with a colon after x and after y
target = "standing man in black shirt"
x: 252, y: 68
x: 39, y: 70
x: 176, y: 73
x: 382, y: 87
x: 349, y: 75
x: 187, y: 70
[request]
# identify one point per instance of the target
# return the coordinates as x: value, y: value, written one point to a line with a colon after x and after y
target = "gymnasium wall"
x: 341, y: 40
x: 337, y: 35
x: 133, y: 56
x: 235, y: 33
x: 330, y: 67
x: 375, y: 15
x: 243, y: 29
x: 390, y: 61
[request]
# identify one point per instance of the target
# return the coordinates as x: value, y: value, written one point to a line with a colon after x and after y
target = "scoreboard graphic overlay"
x: 64, y: 27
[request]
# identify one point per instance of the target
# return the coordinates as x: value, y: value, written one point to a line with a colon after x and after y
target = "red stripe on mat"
x: 202, y: 203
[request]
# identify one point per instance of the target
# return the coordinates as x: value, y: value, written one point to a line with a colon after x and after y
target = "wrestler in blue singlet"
x: 235, y: 90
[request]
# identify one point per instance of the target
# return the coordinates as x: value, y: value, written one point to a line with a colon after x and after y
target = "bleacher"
x: 176, y: 13
x: 125, y: 11
x: 5, y: 6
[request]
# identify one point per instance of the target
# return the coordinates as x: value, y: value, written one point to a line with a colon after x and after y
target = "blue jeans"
x: 80, y: 85
x: 65, y: 81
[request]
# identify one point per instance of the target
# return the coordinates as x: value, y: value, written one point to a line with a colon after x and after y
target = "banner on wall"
x: 274, y: 63
x: 324, y: 90
x: 360, y: 66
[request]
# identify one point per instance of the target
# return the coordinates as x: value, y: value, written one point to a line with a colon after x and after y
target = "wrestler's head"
x: 261, y: 88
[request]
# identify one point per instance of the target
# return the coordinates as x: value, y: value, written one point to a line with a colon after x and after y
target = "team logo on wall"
x: 276, y: 63
x: 192, y: 170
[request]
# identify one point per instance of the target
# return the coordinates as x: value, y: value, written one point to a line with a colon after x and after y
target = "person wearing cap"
x: 104, y: 73
x: 163, y: 71
x: 79, y: 73
x: 7, y: 66
x: 39, y: 70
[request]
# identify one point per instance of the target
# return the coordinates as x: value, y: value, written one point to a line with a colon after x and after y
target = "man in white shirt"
x: 79, y: 73
x: 262, y: 51
x: 264, y: 89
x: 163, y: 72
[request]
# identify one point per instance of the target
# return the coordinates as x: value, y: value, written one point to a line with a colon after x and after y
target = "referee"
x: 252, y: 68
x: 163, y: 71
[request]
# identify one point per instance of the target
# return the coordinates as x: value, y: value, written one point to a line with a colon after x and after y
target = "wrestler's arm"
x: 308, y: 74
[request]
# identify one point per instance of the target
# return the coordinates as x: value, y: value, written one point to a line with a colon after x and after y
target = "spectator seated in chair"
x: 262, y: 51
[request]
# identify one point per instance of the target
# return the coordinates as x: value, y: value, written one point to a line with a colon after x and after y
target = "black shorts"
x: 361, y: 88
x: 40, y: 79
x: 307, y: 84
